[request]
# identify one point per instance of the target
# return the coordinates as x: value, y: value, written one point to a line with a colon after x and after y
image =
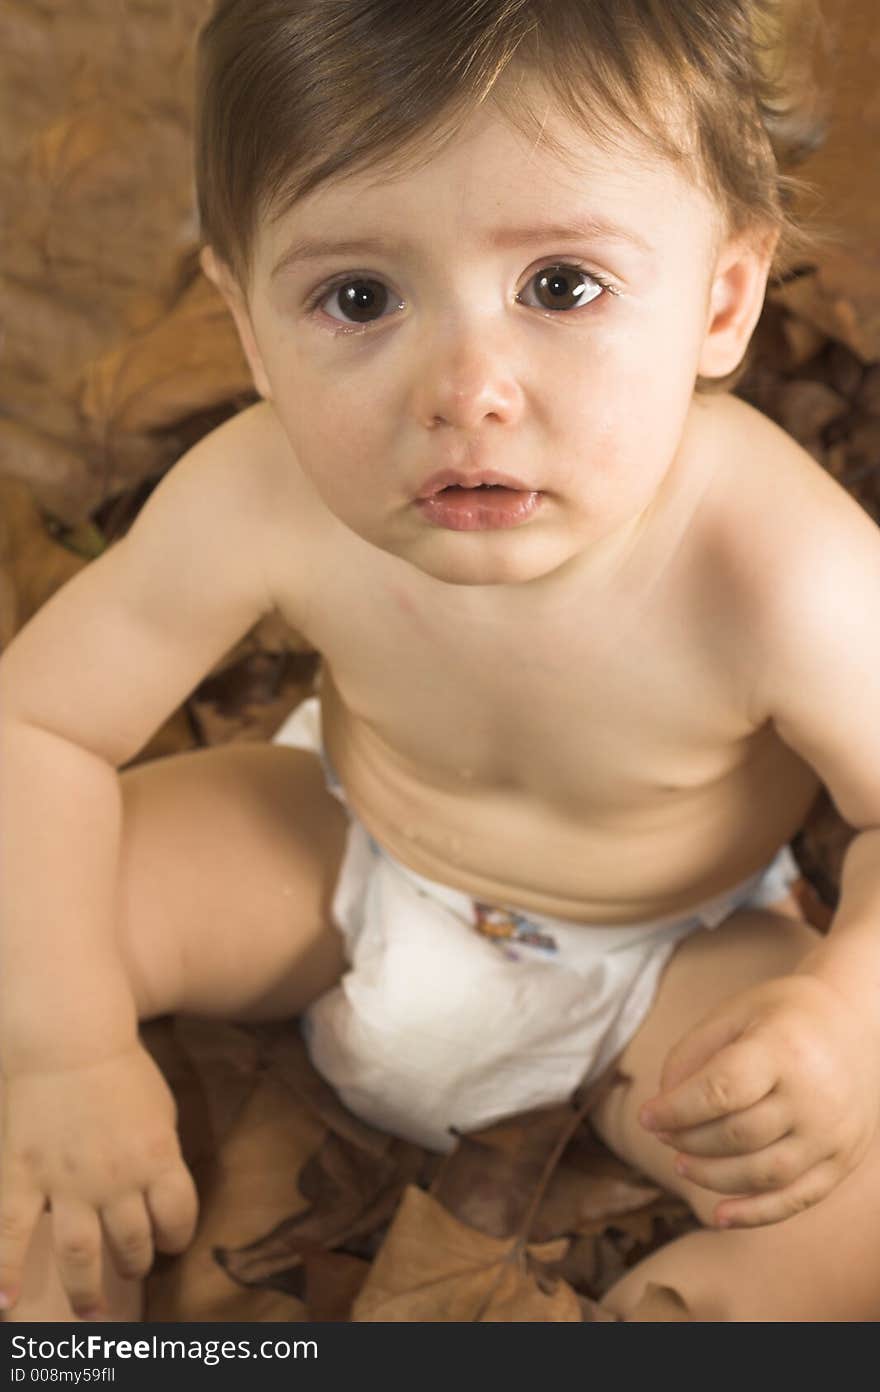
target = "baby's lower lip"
x: 479, y: 509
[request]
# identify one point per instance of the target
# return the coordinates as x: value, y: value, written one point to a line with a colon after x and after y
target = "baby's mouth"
x: 452, y: 483
x: 481, y: 507
x: 452, y: 489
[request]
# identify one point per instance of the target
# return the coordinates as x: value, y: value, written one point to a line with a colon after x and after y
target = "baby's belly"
x: 662, y: 855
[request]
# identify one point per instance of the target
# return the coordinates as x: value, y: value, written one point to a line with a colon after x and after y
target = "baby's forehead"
x: 487, y: 162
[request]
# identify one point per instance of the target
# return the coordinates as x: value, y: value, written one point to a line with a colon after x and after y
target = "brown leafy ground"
x: 310, y: 1214
x: 116, y: 356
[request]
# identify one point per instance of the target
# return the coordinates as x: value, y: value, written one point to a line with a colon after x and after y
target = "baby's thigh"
x: 706, y: 969
x: 228, y: 861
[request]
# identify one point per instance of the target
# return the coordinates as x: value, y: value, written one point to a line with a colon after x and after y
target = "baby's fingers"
x: 774, y: 1168
x: 174, y: 1207
x: 19, y: 1214
x: 735, y: 1078
x: 739, y: 1133
x: 77, y: 1236
x: 129, y: 1235
x: 807, y: 1191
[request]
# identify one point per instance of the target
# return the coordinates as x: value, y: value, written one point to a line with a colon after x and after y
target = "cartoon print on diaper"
x: 504, y: 927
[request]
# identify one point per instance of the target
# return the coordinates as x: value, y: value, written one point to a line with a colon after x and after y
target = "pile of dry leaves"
x: 310, y: 1214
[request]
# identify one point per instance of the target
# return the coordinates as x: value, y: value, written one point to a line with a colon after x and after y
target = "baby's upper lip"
x: 446, y: 478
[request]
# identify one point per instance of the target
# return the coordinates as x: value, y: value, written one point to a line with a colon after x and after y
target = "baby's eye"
x: 359, y: 300
x: 565, y: 287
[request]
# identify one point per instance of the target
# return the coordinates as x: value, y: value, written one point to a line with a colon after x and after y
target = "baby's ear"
x: 221, y: 276
x: 735, y: 301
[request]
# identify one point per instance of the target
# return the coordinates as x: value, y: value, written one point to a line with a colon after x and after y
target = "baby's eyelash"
x: 597, y: 276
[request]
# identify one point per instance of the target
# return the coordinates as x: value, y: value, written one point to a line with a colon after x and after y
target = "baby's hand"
x: 98, y: 1145
x: 775, y: 1094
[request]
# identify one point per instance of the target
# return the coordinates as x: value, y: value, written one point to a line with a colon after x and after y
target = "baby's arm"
x: 777, y: 1095
x: 88, y: 1121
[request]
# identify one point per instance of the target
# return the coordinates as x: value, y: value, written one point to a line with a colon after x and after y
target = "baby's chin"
x: 485, y: 559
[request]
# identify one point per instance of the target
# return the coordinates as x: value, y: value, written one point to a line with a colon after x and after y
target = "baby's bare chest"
x: 602, y: 704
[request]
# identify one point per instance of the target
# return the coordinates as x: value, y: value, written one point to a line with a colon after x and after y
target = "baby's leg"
x: 823, y: 1264
x: 228, y: 862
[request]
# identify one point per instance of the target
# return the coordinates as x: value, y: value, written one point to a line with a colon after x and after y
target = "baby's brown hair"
x: 293, y: 92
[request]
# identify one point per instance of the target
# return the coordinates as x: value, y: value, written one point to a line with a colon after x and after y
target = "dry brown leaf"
x: 225, y: 1063
x: 805, y: 408
x: 432, y: 1267
x: 496, y: 1178
x: 591, y: 1265
x: 190, y: 361
x: 332, y: 1281
x: 490, y: 1180
x: 60, y: 480
x: 846, y: 372
x: 585, y: 1202
x: 843, y: 298
x: 869, y: 393
x: 842, y: 302
x: 32, y: 565
x: 351, y: 1193
x: 802, y: 340
x: 247, y: 1183
x: 863, y: 444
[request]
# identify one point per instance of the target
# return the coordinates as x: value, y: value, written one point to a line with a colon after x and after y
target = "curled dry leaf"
x: 432, y: 1267
x: 189, y: 361
x: 350, y: 1193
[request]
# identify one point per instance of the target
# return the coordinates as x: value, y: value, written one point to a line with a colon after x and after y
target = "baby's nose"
x: 467, y: 385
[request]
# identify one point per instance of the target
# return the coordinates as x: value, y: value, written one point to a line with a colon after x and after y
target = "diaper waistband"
x: 303, y: 730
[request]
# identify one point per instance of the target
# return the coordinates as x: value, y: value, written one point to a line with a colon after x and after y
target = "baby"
x: 591, y: 637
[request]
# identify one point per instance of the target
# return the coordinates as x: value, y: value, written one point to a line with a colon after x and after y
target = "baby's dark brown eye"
x: 564, y: 287
x: 360, y: 301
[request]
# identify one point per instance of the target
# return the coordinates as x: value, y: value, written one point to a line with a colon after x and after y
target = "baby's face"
x: 499, y: 309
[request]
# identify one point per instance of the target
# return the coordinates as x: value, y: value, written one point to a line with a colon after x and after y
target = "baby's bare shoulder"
x: 778, y: 511
x: 795, y: 553
x: 252, y: 487
x: 247, y: 460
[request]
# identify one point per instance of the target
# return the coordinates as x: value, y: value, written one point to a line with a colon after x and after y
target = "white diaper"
x: 455, y: 1014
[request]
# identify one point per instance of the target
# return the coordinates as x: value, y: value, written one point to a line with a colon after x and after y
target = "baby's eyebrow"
x: 593, y: 228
